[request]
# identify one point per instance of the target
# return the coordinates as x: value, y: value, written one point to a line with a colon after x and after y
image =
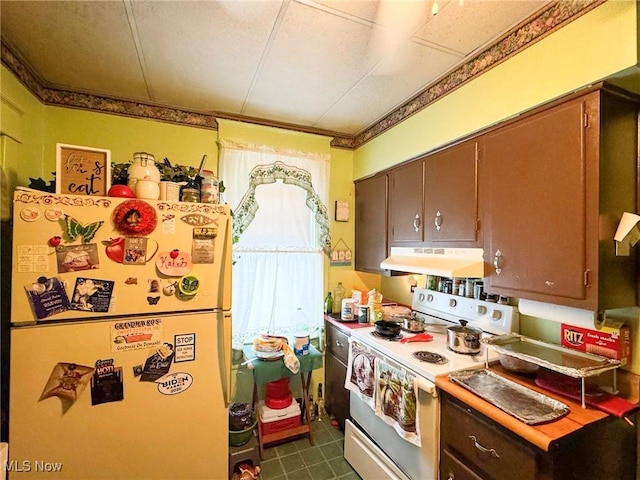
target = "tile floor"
x: 299, y: 460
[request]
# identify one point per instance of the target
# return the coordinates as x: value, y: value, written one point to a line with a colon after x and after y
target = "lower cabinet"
x: 335, y: 372
x: 472, y: 446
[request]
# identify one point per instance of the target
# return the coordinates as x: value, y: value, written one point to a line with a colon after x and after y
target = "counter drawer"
x: 452, y: 469
x: 338, y: 343
x: 485, y: 447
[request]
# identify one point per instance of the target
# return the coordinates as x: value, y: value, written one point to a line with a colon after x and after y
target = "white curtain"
x: 281, y: 234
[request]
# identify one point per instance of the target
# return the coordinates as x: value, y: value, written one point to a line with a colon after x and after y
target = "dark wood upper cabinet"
x: 406, y: 204
x: 553, y: 187
x: 371, y: 246
x: 451, y: 196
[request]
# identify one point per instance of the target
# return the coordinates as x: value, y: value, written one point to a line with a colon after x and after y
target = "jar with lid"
x: 190, y: 192
x: 143, y: 165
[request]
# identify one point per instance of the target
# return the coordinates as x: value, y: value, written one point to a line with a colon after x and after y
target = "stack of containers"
x: 278, y: 411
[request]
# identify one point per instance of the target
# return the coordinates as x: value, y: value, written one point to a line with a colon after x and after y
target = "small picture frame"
x: 342, y: 211
x: 82, y: 170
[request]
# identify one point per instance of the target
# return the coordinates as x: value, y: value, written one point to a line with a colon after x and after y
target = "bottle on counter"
x: 338, y: 296
x: 328, y: 304
x: 375, y: 306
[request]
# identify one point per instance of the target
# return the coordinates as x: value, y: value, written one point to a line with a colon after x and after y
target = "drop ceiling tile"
x: 206, y: 60
x: 82, y: 45
x: 464, y: 27
x: 387, y: 88
x: 314, y: 60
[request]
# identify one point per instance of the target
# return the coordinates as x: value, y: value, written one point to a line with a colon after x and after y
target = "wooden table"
x: 269, y: 371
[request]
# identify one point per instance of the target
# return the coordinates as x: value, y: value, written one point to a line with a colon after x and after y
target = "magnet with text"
x: 185, y: 347
x: 174, y: 263
x: 174, y: 383
x: 106, y: 383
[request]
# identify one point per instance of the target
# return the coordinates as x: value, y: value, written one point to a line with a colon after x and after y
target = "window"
x: 281, y: 235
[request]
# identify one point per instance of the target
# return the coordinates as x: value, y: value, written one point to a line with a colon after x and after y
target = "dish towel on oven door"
x: 361, y: 375
x: 391, y: 392
x: 397, y: 400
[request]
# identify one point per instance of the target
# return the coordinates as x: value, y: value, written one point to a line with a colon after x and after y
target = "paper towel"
x: 558, y: 313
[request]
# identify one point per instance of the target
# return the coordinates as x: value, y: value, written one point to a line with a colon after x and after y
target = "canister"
x: 347, y: 309
x: 301, y: 344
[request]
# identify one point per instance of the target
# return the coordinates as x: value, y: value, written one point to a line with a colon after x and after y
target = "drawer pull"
x: 338, y: 344
x: 490, y: 451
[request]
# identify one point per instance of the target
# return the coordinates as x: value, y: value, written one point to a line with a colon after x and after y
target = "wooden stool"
x: 247, y: 453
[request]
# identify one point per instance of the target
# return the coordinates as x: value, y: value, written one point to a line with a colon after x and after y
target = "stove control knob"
x: 452, y: 302
x: 496, y: 314
x: 421, y: 297
x: 429, y: 298
x: 481, y: 309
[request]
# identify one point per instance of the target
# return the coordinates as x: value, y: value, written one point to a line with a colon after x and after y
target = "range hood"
x: 444, y: 262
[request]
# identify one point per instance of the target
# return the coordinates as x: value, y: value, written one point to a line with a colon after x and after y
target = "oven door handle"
x: 427, y: 386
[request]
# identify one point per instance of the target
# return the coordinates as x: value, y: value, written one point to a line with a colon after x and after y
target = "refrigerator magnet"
x: 106, y: 383
x: 202, y: 246
x: 185, y: 350
x: 92, y: 295
x: 174, y: 383
x: 158, y: 363
x: 135, y: 218
x: 29, y: 214
x: 53, y: 214
x: 47, y: 297
x: 174, y: 263
x: 67, y: 382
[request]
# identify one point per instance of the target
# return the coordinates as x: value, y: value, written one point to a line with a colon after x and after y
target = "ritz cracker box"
x: 611, y: 340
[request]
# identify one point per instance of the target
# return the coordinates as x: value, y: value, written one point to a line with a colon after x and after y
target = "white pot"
x: 147, y: 189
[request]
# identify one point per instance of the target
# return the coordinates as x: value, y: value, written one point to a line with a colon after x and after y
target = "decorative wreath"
x: 135, y: 218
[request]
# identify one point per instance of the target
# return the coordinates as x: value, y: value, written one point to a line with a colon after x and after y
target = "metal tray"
x: 526, y: 405
x: 554, y: 357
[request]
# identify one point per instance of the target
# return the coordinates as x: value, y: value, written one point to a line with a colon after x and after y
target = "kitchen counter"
x: 346, y: 327
x: 542, y: 436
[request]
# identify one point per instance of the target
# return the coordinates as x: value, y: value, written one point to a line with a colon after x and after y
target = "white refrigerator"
x: 120, y: 339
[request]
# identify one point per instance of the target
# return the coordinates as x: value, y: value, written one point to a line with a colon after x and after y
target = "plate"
x: 269, y: 355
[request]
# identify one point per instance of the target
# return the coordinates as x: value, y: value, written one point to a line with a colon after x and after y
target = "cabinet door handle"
x: 451, y: 476
x: 497, y: 262
x: 416, y: 223
x: 438, y: 221
x: 490, y: 451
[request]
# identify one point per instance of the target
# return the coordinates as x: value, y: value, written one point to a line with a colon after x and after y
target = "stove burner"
x: 430, y: 357
x: 384, y: 337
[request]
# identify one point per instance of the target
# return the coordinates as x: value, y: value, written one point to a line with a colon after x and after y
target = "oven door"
x: 418, y: 463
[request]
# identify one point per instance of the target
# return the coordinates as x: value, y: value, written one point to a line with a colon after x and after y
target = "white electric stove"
x: 372, y: 448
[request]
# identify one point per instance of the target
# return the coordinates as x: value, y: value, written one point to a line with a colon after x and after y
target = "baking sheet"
x: 554, y: 357
x: 526, y: 405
